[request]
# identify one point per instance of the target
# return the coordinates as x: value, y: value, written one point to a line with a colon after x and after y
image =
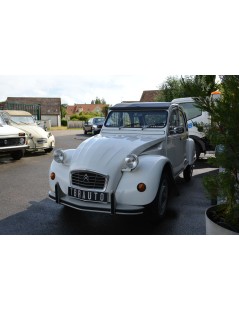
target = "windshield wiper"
x: 131, y: 126
x: 24, y: 123
x: 11, y: 120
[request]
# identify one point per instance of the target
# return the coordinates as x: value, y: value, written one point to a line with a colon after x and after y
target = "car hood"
x: 106, y: 154
x: 6, y: 130
x: 34, y: 130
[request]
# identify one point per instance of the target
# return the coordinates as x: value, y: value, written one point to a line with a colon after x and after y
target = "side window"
x: 181, y: 120
x: 173, y: 121
x: 177, y: 123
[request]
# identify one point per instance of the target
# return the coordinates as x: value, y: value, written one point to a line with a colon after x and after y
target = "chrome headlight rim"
x: 59, y: 156
x: 22, y: 141
x: 131, y: 161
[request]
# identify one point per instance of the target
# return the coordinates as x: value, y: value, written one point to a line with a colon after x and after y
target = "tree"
x: 224, y: 134
x: 98, y: 101
x: 187, y: 86
x: 63, y: 109
x: 105, y: 109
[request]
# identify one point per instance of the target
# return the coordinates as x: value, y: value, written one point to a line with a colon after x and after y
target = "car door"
x: 176, y: 140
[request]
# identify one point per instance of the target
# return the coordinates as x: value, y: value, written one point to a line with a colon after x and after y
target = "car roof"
x: 141, y: 106
x: 17, y: 112
x: 186, y: 99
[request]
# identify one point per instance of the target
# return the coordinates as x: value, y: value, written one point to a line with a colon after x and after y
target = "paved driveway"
x: 26, y: 209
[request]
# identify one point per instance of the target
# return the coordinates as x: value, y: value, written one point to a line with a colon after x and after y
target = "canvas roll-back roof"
x: 141, y: 106
x: 17, y: 112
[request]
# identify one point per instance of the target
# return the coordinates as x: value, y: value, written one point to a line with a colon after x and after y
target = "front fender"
x: 190, y: 151
x: 61, y: 171
x: 149, y: 172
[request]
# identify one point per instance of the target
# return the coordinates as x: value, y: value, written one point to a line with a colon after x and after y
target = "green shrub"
x: 63, y: 122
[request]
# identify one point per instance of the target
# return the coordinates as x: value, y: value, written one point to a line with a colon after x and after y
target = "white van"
x: 37, y: 138
x: 12, y: 140
x: 195, y: 118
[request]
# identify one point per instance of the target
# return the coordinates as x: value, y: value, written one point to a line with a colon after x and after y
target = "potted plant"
x: 223, y: 186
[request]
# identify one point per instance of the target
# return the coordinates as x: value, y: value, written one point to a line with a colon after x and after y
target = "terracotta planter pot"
x: 215, y: 229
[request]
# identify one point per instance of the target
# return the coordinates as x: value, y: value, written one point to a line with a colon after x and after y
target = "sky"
x: 79, y: 89
x: 80, y: 50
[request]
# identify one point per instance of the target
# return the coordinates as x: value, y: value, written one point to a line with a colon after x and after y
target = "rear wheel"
x: 198, y: 150
x: 160, y: 202
x: 187, y: 173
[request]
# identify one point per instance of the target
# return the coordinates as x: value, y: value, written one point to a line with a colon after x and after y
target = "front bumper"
x: 13, y: 148
x: 38, y: 145
x: 111, y: 208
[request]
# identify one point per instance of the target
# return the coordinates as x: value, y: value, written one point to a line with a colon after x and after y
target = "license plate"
x: 88, y: 195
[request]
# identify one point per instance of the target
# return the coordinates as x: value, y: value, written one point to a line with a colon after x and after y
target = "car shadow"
x: 35, y: 154
x: 184, y: 216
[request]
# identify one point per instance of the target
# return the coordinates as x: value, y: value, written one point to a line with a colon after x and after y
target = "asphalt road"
x: 25, y: 208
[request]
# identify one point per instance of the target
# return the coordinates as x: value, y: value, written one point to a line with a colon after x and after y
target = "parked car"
x: 12, y: 140
x: 37, y: 138
x: 130, y: 167
x: 93, y: 125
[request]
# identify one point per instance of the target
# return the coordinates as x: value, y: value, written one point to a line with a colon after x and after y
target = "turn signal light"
x: 52, y: 175
x: 141, y: 187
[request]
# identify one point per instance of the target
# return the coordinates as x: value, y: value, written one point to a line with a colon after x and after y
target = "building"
x: 50, y: 107
x: 149, y: 95
x: 78, y: 108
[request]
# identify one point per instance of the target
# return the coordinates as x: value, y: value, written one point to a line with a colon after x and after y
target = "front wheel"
x: 187, y: 173
x: 160, y: 202
x: 48, y: 150
x: 17, y: 155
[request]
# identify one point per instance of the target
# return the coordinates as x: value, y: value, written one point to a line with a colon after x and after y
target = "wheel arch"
x: 149, y: 172
x: 199, y: 141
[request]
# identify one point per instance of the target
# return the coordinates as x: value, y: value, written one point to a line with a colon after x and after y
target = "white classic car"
x: 37, y: 137
x: 12, y: 140
x: 130, y: 166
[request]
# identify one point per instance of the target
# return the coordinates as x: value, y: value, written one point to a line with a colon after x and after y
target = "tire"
x: 85, y: 132
x: 198, y: 150
x: 159, y: 205
x: 48, y: 150
x: 187, y: 173
x: 17, y: 155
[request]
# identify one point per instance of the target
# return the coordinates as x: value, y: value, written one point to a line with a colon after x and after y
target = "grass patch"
x: 63, y: 128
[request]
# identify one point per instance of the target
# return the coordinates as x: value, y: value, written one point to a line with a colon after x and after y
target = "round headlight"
x: 22, y: 140
x: 58, y: 156
x: 131, y: 161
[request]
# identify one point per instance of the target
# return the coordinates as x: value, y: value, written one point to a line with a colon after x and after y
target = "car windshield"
x: 22, y: 119
x: 137, y: 119
x: 2, y: 122
x: 98, y: 121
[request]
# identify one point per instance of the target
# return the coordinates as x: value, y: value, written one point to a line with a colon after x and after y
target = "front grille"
x: 9, y: 142
x: 88, y: 179
x: 42, y: 140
